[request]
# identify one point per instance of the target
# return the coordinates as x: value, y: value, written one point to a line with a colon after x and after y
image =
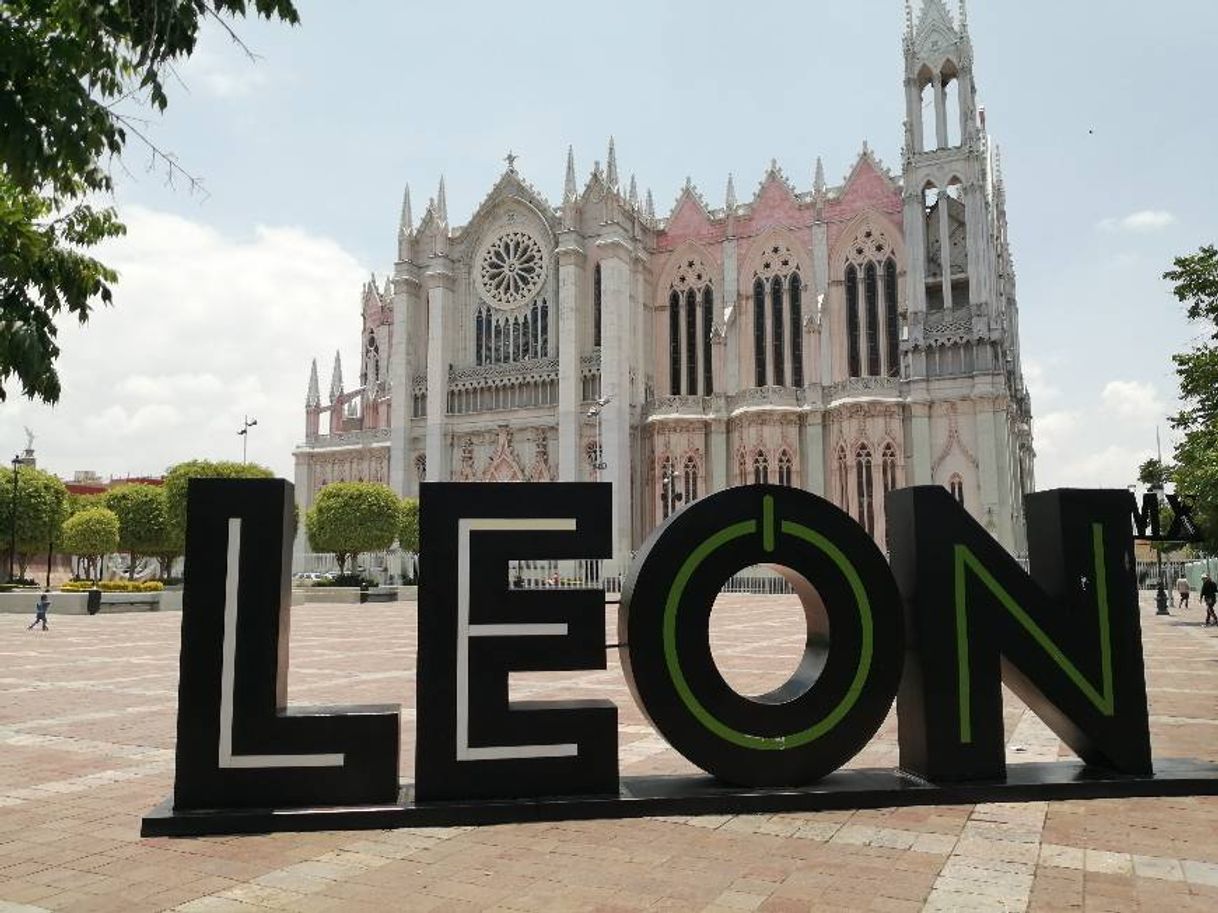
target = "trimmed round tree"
x: 41, y: 507
x: 353, y: 517
x: 408, y: 529
x: 142, y: 521
x: 176, y: 479
x: 90, y: 534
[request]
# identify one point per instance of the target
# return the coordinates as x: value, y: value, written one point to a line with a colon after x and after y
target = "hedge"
x: 114, y: 586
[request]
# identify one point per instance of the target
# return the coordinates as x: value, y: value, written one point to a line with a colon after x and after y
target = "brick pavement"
x: 86, y: 738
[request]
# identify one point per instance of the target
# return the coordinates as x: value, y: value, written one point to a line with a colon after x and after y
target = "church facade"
x: 845, y: 339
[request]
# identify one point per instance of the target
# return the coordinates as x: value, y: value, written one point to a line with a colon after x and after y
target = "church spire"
x: 909, y: 19
x: 336, y: 378
x: 730, y: 196
x: 406, y: 222
x: 611, y: 167
x: 569, y: 190
x: 818, y: 183
x: 633, y: 196
x: 313, y: 397
x: 963, y: 18
x: 649, y: 207
x: 442, y: 203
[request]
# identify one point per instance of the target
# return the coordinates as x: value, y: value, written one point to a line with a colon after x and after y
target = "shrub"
x: 113, y: 586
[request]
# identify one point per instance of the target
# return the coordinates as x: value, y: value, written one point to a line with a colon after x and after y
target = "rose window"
x: 512, y: 269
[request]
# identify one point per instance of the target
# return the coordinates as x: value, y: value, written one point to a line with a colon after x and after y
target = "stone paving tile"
x: 87, y: 716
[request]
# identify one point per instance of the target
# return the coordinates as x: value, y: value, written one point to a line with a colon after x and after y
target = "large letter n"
x: 1066, y: 640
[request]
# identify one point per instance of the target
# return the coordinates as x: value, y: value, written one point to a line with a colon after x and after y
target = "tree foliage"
x: 142, y: 521
x: 353, y: 517
x: 67, y: 67
x: 408, y: 529
x: 91, y: 534
x: 176, y: 480
x: 41, y: 509
x: 1195, y: 283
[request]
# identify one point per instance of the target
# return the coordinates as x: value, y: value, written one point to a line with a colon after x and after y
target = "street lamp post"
x: 1161, y: 593
x: 246, y: 424
x: 12, y: 548
x: 595, y: 412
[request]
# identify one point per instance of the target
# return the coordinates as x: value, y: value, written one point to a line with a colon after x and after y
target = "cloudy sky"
x: 1106, y: 124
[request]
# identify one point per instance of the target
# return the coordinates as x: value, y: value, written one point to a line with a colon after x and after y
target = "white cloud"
x: 205, y: 329
x: 1133, y: 401
x: 1094, y: 445
x: 1036, y: 378
x: 223, y: 75
x: 1142, y: 222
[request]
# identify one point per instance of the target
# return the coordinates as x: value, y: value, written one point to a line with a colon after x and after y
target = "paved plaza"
x: 87, y: 715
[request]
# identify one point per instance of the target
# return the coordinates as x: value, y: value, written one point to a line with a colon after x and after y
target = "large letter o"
x: 814, y: 723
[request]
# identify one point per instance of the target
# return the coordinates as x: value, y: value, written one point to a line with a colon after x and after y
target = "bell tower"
x: 951, y: 255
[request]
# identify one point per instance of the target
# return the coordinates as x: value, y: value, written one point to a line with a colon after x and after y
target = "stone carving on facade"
x: 511, y: 269
x: 504, y: 465
x: 953, y: 442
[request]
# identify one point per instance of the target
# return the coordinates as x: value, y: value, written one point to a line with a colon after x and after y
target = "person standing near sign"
x: 40, y: 611
x: 1209, y: 595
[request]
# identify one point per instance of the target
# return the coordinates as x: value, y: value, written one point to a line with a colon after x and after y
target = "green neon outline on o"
x: 673, y: 662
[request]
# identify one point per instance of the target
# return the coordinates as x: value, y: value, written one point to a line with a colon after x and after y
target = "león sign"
x: 940, y: 629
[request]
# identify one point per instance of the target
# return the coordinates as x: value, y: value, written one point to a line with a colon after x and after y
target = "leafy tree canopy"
x: 353, y: 517
x: 91, y: 534
x: 408, y: 531
x: 142, y: 520
x: 1195, y: 283
x: 41, y: 507
x: 176, y: 480
x: 66, y: 67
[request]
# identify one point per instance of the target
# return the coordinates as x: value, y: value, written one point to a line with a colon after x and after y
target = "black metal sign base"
x: 700, y: 795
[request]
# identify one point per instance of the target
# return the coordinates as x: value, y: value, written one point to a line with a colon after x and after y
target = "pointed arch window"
x: 761, y: 468
x: 742, y: 469
x: 708, y: 330
x: 543, y: 331
x: 843, y: 480
x: 479, y: 343
x: 674, y: 343
x: 852, y: 320
x: 668, y: 484
x: 690, y: 477
x: 777, y: 331
x: 596, y: 306
x: 797, y: 331
x: 691, y: 343
x: 891, y: 319
x: 498, y: 355
x: 526, y: 335
x: 888, y: 464
x: 956, y: 486
x: 759, y: 332
x: 515, y: 339
x: 871, y: 290
x: 785, y: 468
x: 864, y: 486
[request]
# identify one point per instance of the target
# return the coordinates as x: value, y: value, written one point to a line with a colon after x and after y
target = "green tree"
x: 408, y: 529
x: 67, y: 68
x: 353, y: 517
x: 176, y: 480
x: 91, y: 534
x: 142, y: 521
x: 41, y: 508
x: 1195, y: 283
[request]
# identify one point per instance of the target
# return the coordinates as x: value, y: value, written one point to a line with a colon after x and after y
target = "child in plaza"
x: 1209, y: 595
x: 40, y: 611
x: 1183, y: 589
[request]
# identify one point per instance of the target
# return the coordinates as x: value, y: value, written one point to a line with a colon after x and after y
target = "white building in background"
x: 846, y: 339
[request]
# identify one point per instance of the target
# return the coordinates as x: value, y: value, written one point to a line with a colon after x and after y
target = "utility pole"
x: 12, y: 552
x: 1158, y: 489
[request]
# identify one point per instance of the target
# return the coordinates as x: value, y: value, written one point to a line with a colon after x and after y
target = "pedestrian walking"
x: 40, y: 611
x: 1209, y: 595
x: 1183, y: 589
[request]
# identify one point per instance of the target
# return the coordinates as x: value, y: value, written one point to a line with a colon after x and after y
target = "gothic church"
x: 846, y: 339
